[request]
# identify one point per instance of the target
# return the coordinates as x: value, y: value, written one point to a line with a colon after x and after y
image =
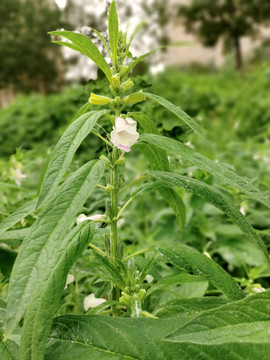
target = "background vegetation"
x: 232, y: 107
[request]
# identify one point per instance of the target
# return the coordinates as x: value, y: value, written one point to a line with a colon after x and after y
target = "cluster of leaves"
x: 231, y: 325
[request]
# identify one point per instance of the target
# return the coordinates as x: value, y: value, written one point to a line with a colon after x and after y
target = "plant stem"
x: 114, y: 207
x: 115, y: 293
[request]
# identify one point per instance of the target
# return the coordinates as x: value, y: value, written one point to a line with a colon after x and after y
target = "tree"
x: 226, y: 19
x: 28, y: 58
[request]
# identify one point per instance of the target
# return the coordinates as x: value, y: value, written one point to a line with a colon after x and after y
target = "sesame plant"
x: 233, y: 324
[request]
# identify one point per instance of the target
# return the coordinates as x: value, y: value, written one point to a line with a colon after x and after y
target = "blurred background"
x: 221, y: 78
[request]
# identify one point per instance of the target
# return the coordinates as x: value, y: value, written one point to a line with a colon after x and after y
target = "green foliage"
x: 177, y: 111
x: 18, y: 215
x: 172, y: 338
x: 45, y: 299
x: 84, y: 45
x: 200, y: 264
x: 216, y: 198
x: 113, y: 31
x: 154, y: 287
x: 54, y: 222
x: 65, y: 150
x: 31, y: 120
x: 214, y: 168
x: 158, y: 161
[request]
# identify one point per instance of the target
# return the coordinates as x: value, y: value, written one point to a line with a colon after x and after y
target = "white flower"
x: 91, y: 301
x: 18, y: 175
x: 149, y: 278
x: 124, y: 133
x: 97, y: 217
x: 70, y: 279
x: 242, y: 210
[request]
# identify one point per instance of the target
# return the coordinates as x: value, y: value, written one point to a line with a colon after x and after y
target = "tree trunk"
x: 238, y: 53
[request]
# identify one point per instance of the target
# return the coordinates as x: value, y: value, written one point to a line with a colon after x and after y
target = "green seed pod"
x: 120, y: 162
x: 134, y: 98
x: 141, y: 294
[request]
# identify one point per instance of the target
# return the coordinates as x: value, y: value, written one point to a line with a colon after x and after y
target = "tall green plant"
x: 54, y: 242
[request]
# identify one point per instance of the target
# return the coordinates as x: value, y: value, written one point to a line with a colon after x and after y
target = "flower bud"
x: 134, y: 98
x: 141, y: 294
x: 124, y: 69
x: 120, y: 162
x: 115, y: 81
x: 127, y: 85
x: 99, y: 99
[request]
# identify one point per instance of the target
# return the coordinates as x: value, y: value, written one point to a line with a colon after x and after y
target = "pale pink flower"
x: 124, y: 133
x: 96, y: 217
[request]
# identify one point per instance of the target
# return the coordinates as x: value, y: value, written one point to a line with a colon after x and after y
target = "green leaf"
x: 177, y: 111
x: 175, y: 280
x: 12, y: 186
x: 193, y: 306
x: 217, y: 199
x: 113, y: 30
x: 190, y: 259
x: 221, y: 172
x: 104, y: 42
x: 135, y: 32
x: 8, y: 349
x: 82, y: 110
x: 147, y: 267
x: 102, y: 307
x: 102, y: 337
x: 84, y: 45
x: 244, y: 322
x: 112, y: 270
x: 3, y: 211
x: 39, y: 250
x: 179, y: 337
x: 64, y: 152
x: 18, y: 215
x: 45, y: 300
x: 158, y: 160
x: 13, y: 236
x: 132, y: 65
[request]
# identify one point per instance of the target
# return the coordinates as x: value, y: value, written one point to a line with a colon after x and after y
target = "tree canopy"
x: 28, y: 60
x: 226, y: 19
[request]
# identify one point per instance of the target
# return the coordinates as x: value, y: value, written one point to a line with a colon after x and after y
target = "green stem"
x: 114, y: 207
x: 136, y: 253
x: 115, y: 293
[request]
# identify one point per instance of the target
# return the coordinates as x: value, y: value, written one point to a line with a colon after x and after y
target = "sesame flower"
x: 91, y: 301
x: 124, y: 133
x: 83, y: 217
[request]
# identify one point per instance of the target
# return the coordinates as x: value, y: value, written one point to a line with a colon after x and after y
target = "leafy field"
x: 165, y: 245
